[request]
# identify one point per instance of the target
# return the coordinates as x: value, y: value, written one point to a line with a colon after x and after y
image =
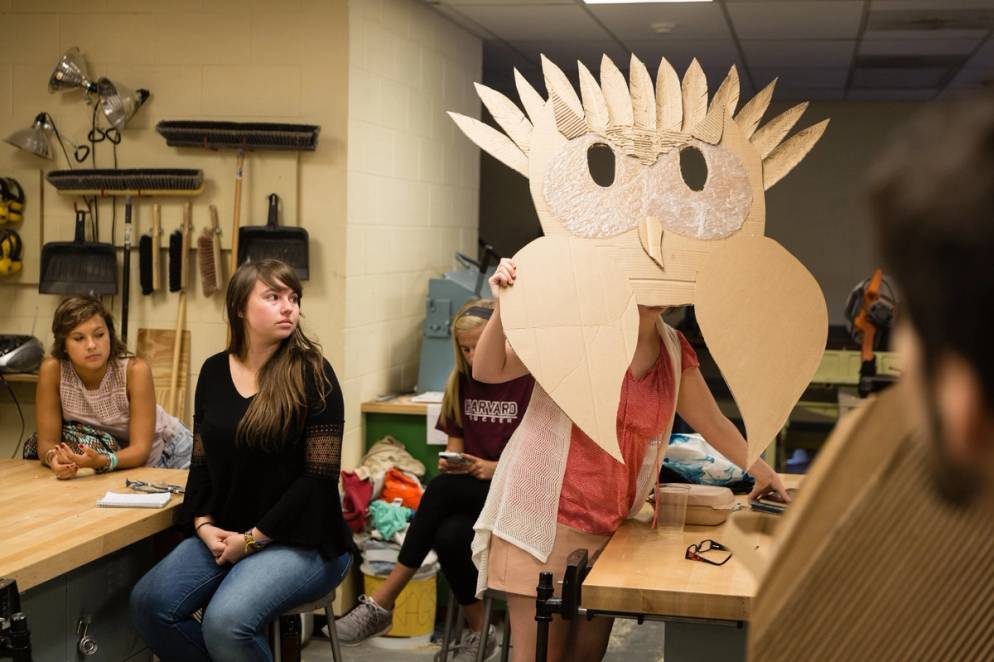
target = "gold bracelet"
x: 48, y: 457
x: 251, y: 546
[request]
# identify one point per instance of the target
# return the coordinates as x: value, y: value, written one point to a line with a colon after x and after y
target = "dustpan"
x: 79, y: 266
x: 272, y: 241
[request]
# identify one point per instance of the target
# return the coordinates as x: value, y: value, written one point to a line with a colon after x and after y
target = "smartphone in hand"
x: 456, y: 459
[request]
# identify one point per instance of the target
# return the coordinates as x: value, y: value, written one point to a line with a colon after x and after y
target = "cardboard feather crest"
x: 670, y: 243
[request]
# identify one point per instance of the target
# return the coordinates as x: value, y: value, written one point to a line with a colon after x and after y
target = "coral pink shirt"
x: 598, y: 490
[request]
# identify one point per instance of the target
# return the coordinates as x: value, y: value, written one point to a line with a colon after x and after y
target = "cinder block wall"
x: 413, y: 188
x: 387, y: 198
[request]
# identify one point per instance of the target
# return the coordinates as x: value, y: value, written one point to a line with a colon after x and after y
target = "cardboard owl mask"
x: 648, y: 238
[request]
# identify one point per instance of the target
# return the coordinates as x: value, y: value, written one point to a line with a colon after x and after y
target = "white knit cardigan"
x: 523, y: 502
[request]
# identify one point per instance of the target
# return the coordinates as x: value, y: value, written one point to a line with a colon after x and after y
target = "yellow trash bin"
x: 414, y: 610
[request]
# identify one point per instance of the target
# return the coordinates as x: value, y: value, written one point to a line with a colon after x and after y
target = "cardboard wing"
x: 572, y: 320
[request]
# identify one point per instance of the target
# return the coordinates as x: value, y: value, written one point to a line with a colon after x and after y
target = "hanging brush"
x: 145, y: 263
x: 209, y: 255
x: 156, y: 246
x: 179, y: 249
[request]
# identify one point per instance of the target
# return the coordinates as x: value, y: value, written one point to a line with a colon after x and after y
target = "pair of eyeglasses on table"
x: 695, y: 551
x: 152, y: 488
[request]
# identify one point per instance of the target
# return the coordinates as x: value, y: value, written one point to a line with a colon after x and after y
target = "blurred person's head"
x: 932, y: 198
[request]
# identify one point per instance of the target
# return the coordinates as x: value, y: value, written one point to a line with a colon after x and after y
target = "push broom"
x: 128, y: 184
x: 242, y: 137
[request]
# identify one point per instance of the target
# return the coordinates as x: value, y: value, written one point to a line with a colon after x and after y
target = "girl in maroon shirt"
x: 479, y: 420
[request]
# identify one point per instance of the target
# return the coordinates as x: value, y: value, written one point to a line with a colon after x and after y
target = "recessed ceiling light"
x: 632, y: 2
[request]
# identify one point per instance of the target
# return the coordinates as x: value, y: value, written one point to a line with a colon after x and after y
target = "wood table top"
x: 49, y: 526
x: 398, y: 404
x: 642, y: 571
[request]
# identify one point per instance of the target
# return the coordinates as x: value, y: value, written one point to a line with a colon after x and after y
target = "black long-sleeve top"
x: 291, y: 495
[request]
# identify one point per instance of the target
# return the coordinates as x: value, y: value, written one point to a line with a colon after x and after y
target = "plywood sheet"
x: 156, y: 347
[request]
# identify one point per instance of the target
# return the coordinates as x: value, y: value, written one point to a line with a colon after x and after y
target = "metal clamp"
x: 87, y: 645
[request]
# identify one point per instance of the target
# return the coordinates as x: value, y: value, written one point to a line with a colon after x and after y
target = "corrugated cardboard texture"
x: 572, y: 320
x: 654, y: 229
x: 871, y: 564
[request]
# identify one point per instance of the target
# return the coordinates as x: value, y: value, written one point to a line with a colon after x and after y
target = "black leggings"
x: 444, y: 522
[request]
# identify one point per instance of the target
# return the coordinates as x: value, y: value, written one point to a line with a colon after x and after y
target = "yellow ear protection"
x: 10, y: 252
x: 4, y: 204
x: 11, y: 200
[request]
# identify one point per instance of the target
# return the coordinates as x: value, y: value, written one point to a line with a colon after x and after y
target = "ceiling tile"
x: 805, y: 78
x: 872, y: 35
x: 701, y: 20
x: 918, y: 46
x: 781, y: 53
x: 537, y: 22
x: 796, y: 20
x: 889, y: 77
x: 565, y: 54
x: 809, y: 94
x: 711, y: 53
x: 926, y: 5
x: 983, y: 57
x: 973, y: 78
x: 923, y: 94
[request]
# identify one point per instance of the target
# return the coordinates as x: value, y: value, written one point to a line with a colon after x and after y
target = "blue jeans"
x: 239, y: 601
x: 177, y: 449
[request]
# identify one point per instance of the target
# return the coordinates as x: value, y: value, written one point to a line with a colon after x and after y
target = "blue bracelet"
x: 111, y: 462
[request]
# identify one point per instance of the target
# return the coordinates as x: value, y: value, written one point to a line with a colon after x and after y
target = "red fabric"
x: 398, y: 485
x: 598, y: 490
x: 355, y: 503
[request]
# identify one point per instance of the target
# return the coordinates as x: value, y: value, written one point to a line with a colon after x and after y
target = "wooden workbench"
x: 75, y: 560
x: 50, y: 526
x: 641, y: 572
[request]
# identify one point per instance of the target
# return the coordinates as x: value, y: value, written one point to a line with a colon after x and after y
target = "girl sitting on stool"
x: 479, y: 419
x: 263, y: 487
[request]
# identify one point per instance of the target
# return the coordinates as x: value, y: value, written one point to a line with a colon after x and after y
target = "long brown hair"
x: 465, y: 320
x: 283, y: 395
x: 75, y: 310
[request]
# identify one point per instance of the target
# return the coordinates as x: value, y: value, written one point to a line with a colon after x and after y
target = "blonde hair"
x: 463, y: 322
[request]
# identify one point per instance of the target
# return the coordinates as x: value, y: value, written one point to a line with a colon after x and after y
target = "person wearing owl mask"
x: 595, y: 491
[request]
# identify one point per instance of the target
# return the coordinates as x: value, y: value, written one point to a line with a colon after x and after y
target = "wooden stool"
x: 453, y: 627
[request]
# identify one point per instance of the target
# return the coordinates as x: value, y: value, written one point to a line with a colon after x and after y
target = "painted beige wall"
x: 390, y: 194
x: 413, y: 188
x: 210, y: 59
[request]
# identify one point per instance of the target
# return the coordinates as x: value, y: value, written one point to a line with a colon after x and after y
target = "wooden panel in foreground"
x: 871, y: 563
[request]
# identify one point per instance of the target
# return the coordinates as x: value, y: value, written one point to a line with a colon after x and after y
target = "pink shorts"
x: 513, y: 570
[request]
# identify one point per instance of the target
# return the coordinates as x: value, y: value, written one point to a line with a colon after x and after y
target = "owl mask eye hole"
x: 601, y: 164
x: 693, y: 168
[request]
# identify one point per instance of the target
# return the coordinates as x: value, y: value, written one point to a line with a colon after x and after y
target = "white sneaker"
x: 367, y: 620
x: 469, y: 647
